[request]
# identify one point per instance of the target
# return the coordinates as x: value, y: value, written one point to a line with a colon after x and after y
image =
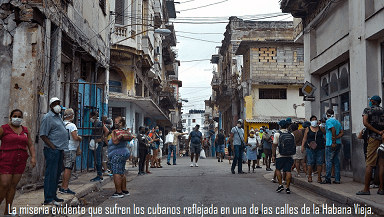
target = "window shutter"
x: 119, y: 12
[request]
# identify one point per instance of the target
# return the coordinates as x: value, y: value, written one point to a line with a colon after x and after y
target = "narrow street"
x: 188, y: 191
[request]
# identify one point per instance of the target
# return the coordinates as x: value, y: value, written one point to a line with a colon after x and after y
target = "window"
x: 102, y: 4
x: 115, y: 86
x: 193, y: 120
x: 119, y: 12
x: 272, y: 93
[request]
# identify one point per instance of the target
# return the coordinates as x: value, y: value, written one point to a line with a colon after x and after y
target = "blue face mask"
x: 261, y: 131
x: 157, y: 130
x: 370, y: 104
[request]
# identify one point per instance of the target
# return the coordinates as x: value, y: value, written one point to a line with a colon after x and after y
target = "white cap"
x: 53, y: 99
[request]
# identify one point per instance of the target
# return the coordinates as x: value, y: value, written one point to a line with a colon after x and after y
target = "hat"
x: 376, y: 98
x: 240, y: 121
x: 306, y: 124
x: 283, y: 124
x: 288, y: 120
x: 53, y: 99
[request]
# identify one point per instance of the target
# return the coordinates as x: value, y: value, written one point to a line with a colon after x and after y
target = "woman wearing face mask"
x: 155, y: 147
x: 15, y: 141
x: 252, y: 150
x: 118, y: 154
x: 314, y: 144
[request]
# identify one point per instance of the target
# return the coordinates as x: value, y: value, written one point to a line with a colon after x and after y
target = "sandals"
x: 309, y: 180
x: 159, y: 167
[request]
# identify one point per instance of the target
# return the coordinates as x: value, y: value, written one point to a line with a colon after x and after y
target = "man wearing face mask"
x: 56, y: 140
x: 73, y: 147
x: 373, y: 121
x: 334, y: 132
x: 237, y: 139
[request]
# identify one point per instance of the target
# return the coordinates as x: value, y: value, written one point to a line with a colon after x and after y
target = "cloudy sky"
x: 200, y: 26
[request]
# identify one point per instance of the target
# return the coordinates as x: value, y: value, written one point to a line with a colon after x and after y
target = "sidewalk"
x: 344, y: 193
x: 82, y: 186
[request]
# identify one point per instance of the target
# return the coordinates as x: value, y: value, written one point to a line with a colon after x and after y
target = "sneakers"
x: 258, y: 167
x: 126, y: 193
x: 273, y: 181
x: 196, y: 165
x: 191, y: 164
x: 67, y: 191
x: 284, y: 182
x: 288, y: 190
x: 58, y: 199
x: 280, y: 189
x: 97, y: 179
x: 117, y: 195
x: 52, y: 203
x: 168, y: 163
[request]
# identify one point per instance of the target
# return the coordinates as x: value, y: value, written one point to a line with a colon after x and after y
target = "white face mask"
x: 314, y: 123
x: 57, y: 109
x: 16, y: 121
x: 92, y: 120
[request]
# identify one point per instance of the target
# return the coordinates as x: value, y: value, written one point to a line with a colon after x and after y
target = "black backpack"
x: 287, y: 144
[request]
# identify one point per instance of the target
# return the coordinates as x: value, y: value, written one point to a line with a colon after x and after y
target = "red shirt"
x: 12, y: 141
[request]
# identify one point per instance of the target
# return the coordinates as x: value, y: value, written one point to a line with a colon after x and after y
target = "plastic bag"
x: 93, y: 145
x: 202, y: 154
x: 169, y: 138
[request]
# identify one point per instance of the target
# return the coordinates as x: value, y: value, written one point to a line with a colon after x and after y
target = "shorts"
x: 299, y: 155
x: 267, y: 152
x: 117, y: 163
x: 284, y: 163
x: 13, y: 162
x: 69, y: 159
x: 220, y: 149
x: 260, y: 152
x: 104, y: 154
x: 195, y: 148
x: 315, y: 156
x: 372, y: 156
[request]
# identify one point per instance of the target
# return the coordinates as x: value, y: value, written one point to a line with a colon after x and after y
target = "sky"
x: 196, y: 41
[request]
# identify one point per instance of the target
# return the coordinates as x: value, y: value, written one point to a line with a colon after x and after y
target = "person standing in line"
x: 283, y: 138
x: 149, y: 143
x: 259, y: 147
x: 237, y: 140
x: 15, y: 141
x: 373, y: 121
x: 267, y: 149
x: 98, y: 134
x: 334, y: 132
x: 172, y: 146
x: 315, y: 156
x: 252, y: 143
x: 118, y: 153
x: 160, y: 153
x: 141, y: 138
x: 195, y: 137
x: 56, y: 139
x: 220, y: 140
x: 299, y: 157
x: 106, y: 132
x: 73, y: 148
x: 155, y: 147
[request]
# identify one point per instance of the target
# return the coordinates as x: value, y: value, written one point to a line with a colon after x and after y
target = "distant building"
x: 191, y: 119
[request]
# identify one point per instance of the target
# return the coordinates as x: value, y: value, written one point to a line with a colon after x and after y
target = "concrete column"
x: 55, y: 64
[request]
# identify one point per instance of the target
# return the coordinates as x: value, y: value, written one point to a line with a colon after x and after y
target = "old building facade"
x: 343, y: 59
x: 143, y: 76
x: 261, y: 75
x: 53, y: 48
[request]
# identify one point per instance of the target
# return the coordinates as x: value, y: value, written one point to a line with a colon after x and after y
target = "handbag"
x: 242, y: 142
x: 93, y: 145
x: 313, y: 144
x: 169, y: 138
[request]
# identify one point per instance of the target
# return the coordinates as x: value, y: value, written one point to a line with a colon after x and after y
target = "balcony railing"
x: 121, y: 31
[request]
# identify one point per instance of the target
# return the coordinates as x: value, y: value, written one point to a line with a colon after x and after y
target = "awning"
x: 146, y: 104
x: 273, y: 119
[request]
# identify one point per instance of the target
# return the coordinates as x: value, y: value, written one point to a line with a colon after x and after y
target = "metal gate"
x: 85, y: 97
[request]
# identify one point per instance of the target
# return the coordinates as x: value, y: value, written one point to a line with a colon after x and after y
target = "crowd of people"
x: 312, y: 149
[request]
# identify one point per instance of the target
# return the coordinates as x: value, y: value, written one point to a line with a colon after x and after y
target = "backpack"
x: 287, y: 144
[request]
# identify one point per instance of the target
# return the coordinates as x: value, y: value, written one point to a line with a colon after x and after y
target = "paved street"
x: 186, y: 191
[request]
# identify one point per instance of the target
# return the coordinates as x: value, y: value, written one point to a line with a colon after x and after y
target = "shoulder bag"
x: 313, y: 143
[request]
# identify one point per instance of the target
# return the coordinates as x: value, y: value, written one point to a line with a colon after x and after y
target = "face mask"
x: 157, y: 130
x: 261, y: 131
x: 238, y: 125
x: 370, y: 104
x: 16, y: 121
x: 314, y: 123
x: 160, y: 134
x: 252, y: 134
x: 57, y: 109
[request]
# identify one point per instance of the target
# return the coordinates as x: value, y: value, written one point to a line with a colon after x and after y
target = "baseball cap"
x: 376, y: 98
x: 283, y: 123
x: 54, y: 99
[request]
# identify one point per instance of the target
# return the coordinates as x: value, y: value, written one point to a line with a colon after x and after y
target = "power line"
x: 203, y: 6
x: 186, y: 61
x: 197, y: 39
x: 201, y: 33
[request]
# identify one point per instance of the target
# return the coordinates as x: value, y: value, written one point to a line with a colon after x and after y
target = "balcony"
x: 121, y: 31
x: 167, y: 100
x: 215, y: 83
x: 148, y: 50
x: 170, y: 40
x: 298, y: 8
x: 158, y: 14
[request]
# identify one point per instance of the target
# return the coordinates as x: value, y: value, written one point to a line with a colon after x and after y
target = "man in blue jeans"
x: 334, y: 132
x: 172, y: 146
x: 237, y: 138
x: 56, y: 140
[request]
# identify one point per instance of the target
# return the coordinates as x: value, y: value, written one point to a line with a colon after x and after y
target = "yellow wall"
x: 248, y: 107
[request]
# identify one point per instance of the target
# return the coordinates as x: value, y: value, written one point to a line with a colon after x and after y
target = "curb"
x: 339, y: 196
